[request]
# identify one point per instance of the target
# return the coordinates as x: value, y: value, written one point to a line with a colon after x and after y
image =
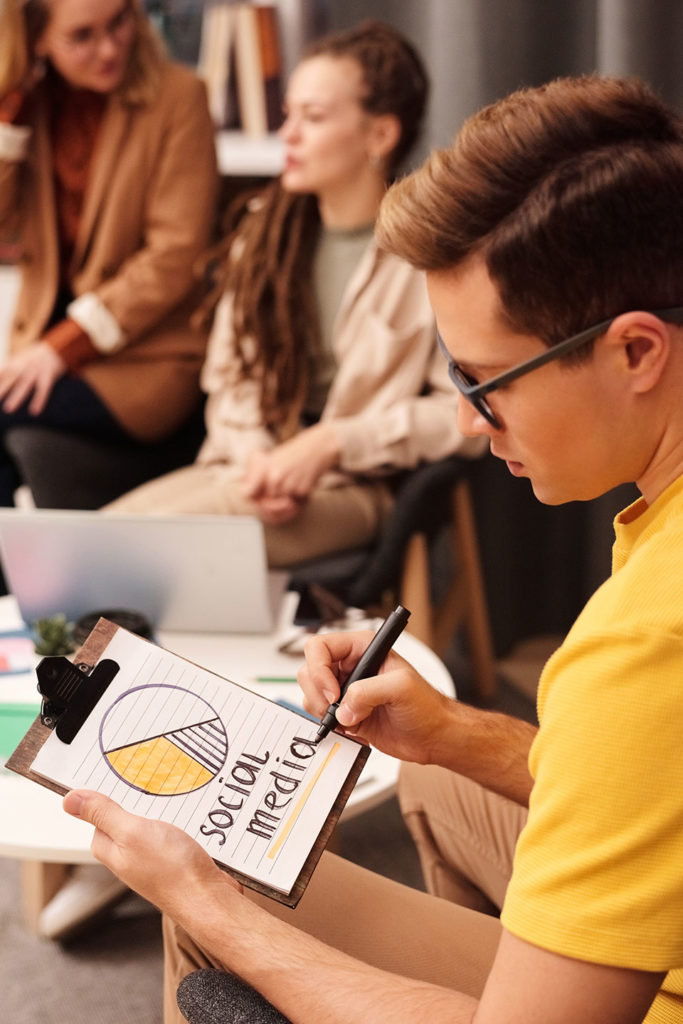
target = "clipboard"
x: 80, y: 694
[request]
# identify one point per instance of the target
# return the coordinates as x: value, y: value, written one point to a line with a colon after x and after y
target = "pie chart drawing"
x: 163, y: 740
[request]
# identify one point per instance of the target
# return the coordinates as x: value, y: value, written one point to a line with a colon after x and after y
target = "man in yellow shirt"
x: 551, y: 238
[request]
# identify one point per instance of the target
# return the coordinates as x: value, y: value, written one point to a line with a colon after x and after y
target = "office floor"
x: 112, y: 974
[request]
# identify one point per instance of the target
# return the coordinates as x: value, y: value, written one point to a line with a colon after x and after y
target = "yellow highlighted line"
x: 289, y: 825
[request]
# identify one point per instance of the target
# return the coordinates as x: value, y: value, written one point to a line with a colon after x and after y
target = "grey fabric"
x: 216, y: 997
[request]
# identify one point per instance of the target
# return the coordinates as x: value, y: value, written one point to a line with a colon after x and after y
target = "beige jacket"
x: 391, y: 403
x: 148, y: 214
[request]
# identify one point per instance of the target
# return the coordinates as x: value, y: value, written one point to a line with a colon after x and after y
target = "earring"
x: 376, y: 162
x: 38, y: 70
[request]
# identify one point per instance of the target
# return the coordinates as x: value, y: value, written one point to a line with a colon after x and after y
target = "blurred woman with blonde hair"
x: 107, y: 190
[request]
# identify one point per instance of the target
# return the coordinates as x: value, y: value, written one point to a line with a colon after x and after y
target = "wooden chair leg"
x: 39, y: 883
x: 465, y: 599
x: 476, y: 610
x: 414, y: 593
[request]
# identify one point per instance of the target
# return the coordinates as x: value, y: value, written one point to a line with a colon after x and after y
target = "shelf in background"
x: 242, y: 155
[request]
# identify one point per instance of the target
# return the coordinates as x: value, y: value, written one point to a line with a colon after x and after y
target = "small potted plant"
x: 53, y: 636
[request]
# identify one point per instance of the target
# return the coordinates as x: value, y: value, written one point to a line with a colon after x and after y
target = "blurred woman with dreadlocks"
x: 322, y: 374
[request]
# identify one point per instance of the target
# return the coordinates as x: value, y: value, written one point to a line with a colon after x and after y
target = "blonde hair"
x: 22, y: 23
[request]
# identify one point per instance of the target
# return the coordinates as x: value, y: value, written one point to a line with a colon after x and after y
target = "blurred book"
x: 217, y: 63
x: 17, y: 651
x: 240, y: 60
x: 271, y: 63
x: 259, y: 68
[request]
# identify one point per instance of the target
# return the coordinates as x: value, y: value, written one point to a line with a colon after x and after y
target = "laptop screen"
x: 184, y: 573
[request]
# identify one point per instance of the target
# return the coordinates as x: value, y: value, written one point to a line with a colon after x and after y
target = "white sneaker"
x: 89, y: 889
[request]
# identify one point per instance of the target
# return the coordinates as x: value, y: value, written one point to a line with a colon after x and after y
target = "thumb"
x: 360, y: 700
x: 97, y: 809
x: 389, y: 689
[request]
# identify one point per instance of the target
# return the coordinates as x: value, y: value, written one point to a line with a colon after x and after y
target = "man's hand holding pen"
x: 396, y: 711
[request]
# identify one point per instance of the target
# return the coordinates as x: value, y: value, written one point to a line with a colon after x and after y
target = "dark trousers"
x: 72, y: 405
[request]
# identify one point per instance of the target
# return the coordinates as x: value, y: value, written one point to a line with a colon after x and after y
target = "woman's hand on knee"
x: 275, y: 511
x: 293, y: 468
x: 30, y: 374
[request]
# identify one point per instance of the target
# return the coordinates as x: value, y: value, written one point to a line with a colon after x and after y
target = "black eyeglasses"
x: 474, y: 392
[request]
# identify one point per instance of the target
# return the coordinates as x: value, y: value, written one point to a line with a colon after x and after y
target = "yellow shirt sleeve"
x: 597, y: 872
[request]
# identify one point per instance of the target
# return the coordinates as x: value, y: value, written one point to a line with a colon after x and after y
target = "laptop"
x: 185, y: 573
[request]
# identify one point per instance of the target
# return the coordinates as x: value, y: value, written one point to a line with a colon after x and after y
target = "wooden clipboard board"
x: 88, y: 656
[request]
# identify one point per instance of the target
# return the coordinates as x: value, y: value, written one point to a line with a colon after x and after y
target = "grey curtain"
x: 479, y: 50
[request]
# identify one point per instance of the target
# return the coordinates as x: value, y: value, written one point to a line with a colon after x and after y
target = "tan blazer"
x: 148, y: 214
x: 391, y: 402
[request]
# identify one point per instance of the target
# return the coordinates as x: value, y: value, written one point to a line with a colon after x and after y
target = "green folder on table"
x: 15, y: 720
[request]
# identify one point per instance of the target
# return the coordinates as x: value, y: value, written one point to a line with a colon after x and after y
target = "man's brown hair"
x: 572, y: 193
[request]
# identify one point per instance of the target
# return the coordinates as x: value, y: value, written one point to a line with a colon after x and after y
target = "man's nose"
x: 471, y: 422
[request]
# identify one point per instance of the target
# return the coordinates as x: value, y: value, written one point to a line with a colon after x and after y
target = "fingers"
x: 155, y: 858
x: 43, y: 383
x: 9, y: 377
x: 289, y: 470
x: 16, y: 394
x: 254, y: 475
x: 329, y: 659
x: 31, y: 374
x: 278, y: 510
x: 268, y: 482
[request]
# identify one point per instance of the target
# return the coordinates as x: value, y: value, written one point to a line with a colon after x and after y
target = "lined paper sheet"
x: 242, y: 775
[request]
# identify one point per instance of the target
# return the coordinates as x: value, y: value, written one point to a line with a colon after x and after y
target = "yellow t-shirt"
x: 598, y: 871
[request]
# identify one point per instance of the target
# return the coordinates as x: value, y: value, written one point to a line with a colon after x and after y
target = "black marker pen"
x: 369, y: 662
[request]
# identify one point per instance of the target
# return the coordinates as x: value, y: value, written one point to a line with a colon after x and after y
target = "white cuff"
x: 14, y: 139
x: 90, y: 313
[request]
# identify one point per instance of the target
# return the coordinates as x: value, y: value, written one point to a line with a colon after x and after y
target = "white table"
x: 36, y: 830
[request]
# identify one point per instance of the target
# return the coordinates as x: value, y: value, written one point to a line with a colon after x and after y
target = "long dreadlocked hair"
x: 266, y: 265
x: 266, y: 258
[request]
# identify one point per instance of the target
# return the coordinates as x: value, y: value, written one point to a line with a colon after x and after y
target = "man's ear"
x: 644, y: 344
